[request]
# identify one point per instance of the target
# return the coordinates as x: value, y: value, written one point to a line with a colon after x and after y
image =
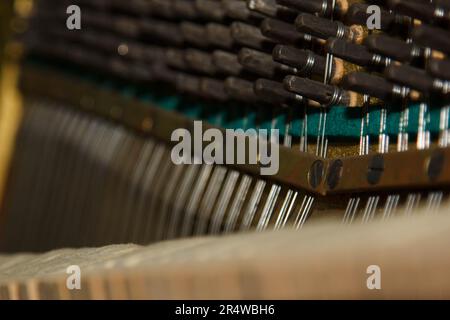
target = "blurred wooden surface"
x: 10, y: 115
x: 327, y: 261
x: 10, y: 102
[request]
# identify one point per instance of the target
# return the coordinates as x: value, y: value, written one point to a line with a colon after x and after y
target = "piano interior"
x: 225, y: 149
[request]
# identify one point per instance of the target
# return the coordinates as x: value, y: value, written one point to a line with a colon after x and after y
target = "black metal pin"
x: 211, y: 10
x: 395, y: 48
x: 275, y: 93
x: 186, y: 83
x: 324, y: 29
x: 271, y: 9
x: 195, y: 34
x: 125, y: 26
x: 283, y: 32
x: 263, y: 65
x: 185, y: 9
x: 422, y: 10
x: 238, y: 10
x: 241, y: 90
x: 175, y: 58
x: 162, y: 31
x: 439, y: 68
x: 219, y: 36
x: 323, y: 8
x: 308, y: 63
x: 100, y: 20
x: 432, y: 37
x: 101, y: 5
x: 358, y: 13
x: 251, y: 36
x: 227, y: 63
x: 324, y: 94
x: 162, y: 8
x: 200, y: 61
x: 163, y: 73
x: 417, y: 79
x: 213, y: 89
x: 378, y: 87
x: 135, y: 7
x: 355, y: 53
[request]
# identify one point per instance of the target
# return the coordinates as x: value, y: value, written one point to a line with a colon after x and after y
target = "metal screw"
x: 334, y: 174
x: 315, y: 174
x: 375, y: 170
x: 435, y: 165
x: 147, y: 124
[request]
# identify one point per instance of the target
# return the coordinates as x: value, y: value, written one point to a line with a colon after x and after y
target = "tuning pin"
x: 376, y: 86
x: 250, y: 36
x: 146, y: 53
x: 162, y: 8
x: 136, y: 7
x: 323, y: 8
x: 262, y: 64
x: 407, y: 75
x: 186, y: 83
x: 355, y: 53
x: 271, y: 9
x: 307, y: 63
x: 185, y: 9
x: 241, y: 90
x: 324, y: 94
x: 194, y: 34
x: 166, y: 32
x: 213, y: 89
x: 417, y: 79
x: 395, y: 48
x: 219, y: 36
x: 439, y: 68
x: 227, y: 63
x: 358, y: 14
x: 200, y: 61
x: 422, y: 10
x: 140, y: 72
x: 238, y: 10
x: 126, y: 26
x: 323, y: 28
x: 175, y: 58
x: 211, y: 10
x: 432, y: 37
x: 275, y: 93
x: 164, y: 74
x: 284, y: 32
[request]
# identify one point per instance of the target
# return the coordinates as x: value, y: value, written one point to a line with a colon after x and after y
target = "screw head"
x: 315, y: 174
x: 147, y: 124
x: 435, y: 165
x: 375, y: 170
x: 334, y: 174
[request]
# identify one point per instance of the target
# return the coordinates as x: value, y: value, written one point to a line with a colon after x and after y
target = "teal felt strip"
x: 342, y: 123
